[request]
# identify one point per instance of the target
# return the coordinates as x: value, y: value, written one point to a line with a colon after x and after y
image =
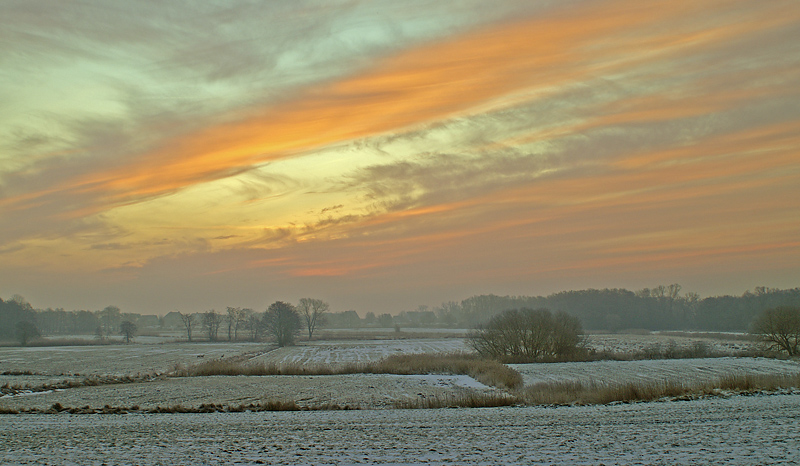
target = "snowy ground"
x: 117, y: 359
x: 343, y: 352
x: 368, y: 391
x: 662, y: 370
x: 624, y: 343
x: 739, y: 430
x: 144, y: 357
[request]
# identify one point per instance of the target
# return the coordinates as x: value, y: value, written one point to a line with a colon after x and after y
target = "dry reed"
x: 461, y: 400
x: 590, y: 393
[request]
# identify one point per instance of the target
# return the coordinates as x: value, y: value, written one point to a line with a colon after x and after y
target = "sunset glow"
x: 381, y: 155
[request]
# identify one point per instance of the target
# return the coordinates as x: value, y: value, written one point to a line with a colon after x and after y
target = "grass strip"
x: 271, y: 405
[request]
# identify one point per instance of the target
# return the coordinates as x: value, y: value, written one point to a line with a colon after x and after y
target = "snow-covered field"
x: 368, y: 391
x: 343, y: 352
x: 116, y: 359
x: 738, y: 430
x: 626, y: 343
x: 662, y: 370
x: 147, y: 358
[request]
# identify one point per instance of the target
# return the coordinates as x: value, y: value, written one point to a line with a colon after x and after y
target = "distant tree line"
x: 281, y: 321
x: 663, y: 307
x: 658, y: 308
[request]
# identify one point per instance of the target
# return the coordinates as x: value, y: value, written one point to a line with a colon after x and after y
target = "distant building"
x: 148, y: 321
x: 172, y: 320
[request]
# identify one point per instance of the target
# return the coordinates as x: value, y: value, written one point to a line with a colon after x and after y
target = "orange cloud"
x: 429, y: 83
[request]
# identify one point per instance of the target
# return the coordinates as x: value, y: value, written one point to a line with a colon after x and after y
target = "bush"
x: 528, y: 335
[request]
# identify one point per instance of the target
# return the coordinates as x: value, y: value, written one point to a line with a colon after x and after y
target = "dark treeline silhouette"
x: 660, y: 308
x: 21, y: 322
x: 13, y: 314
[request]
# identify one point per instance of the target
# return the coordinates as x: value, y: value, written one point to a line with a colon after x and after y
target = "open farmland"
x: 347, y: 352
x: 371, y: 391
x: 737, y: 430
x: 732, y: 429
x: 117, y: 359
x: 647, y: 371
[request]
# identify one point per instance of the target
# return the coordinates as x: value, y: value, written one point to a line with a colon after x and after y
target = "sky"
x: 380, y: 155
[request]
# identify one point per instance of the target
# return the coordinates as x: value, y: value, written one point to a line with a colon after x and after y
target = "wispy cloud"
x: 544, y: 138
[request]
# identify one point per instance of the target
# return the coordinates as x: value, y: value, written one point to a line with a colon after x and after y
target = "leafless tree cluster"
x: 211, y: 323
x: 281, y: 321
x: 529, y: 334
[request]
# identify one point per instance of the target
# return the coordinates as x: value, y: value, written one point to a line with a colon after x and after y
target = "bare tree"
x: 283, y: 322
x: 313, y: 313
x: 211, y: 324
x: 779, y: 329
x: 128, y: 329
x: 188, y: 324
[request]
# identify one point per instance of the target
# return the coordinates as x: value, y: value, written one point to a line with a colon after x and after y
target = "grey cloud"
x: 110, y: 246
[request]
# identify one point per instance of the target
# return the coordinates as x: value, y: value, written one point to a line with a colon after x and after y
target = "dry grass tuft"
x: 485, y: 371
x: 232, y: 368
x: 464, y: 400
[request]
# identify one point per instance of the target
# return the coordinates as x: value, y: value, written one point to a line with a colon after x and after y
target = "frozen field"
x: 343, y: 352
x: 148, y: 358
x: 116, y: 359
x: 624, y: 343
x: 661, y: 370
x: 55, y: 364
x: 368, y: 391
x: 738, y: 430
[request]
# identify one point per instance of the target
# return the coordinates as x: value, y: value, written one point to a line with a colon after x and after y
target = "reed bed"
x: 581, y: 393
x: 461, y: 400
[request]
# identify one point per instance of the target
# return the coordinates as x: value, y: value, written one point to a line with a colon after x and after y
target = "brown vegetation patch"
x: 8, y: 389
x: 271, y: 405
x: 580, y: 393
x: 462, y: 400
x: 486, y: 371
